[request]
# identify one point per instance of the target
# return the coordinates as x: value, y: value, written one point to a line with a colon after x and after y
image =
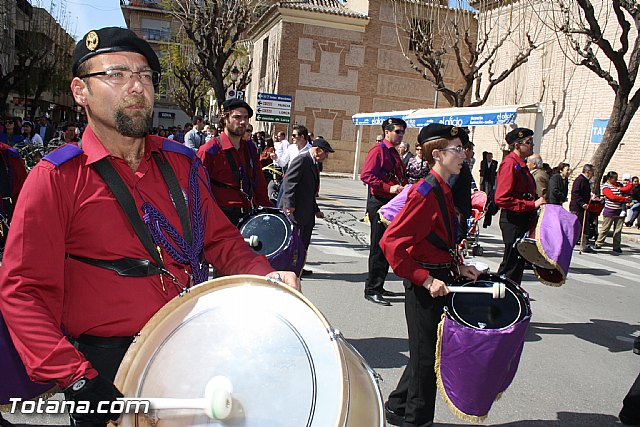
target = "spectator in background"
x: 69, y: 136
x: 300, y: 143
x: 613, y: 204
x: 45, y: 130
x: 405, y: 153
x: 559, y: 184
x: 379, y: 139
x: 580, y: 198
x: 12, y: 134
x: 488, y: 172
x: 418, y: 167
x: 179, y: 135
x: 634, y: 209
x: 535, y: 165
x: 195, y: 137
x: 30, y: 135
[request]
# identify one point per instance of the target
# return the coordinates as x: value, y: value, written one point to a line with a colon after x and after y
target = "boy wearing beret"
x: 420, y: 246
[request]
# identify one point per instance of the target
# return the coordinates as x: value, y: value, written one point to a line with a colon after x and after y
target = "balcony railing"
x: 153, y: 35
x: 152, y: 4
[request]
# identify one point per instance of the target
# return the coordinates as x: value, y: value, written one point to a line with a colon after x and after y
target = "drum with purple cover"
x: 269, y: 232
x: 15, y: 381
x: 549, y: 244
x: 480, y: 340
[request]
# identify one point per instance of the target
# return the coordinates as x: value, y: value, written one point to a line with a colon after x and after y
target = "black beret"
x: 389, y: 123
x: 517, y: 134
x: 321, y: 143
x: 437, y: 131
x: 233, y: 103
x: 112, y: 39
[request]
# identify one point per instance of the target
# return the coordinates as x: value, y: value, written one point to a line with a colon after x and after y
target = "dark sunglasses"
x: 399, y: 131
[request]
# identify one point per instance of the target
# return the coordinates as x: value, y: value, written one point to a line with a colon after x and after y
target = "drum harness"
x: 241, y: 178
x: 436, y: 240
x: 189, y: 248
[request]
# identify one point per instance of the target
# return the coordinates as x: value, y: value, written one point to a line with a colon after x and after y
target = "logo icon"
x: 92, y: 41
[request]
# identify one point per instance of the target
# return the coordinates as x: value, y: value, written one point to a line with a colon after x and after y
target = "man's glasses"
x: 399, y: 131
x: 122, y: 77
x: 528, y: 141
x: 295, y: 135
x: 458, y: 150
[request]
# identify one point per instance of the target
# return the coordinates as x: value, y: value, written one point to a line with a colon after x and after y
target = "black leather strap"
x: 176, y: 195
x: 125, y: 199
x: 433, y: 238
x: 128, y: 267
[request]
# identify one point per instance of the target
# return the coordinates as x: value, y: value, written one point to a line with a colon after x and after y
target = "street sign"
x: 232, y: 93
x: 273, y: 108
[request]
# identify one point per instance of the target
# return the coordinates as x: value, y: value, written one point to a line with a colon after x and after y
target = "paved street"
x: 577, y: 363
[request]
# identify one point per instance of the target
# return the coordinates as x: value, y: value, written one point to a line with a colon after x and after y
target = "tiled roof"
x: 333, y: 7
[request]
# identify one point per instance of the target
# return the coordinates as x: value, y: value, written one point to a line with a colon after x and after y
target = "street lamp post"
x: 234, y: 74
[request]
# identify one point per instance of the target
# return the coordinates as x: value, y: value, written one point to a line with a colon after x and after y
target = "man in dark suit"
x: 300, y: 187
x: 580, y: 197
x: 45, y: 130
x: 488, y: 172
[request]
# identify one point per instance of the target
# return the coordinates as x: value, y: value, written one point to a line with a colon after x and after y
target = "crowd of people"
x: 140, y: 215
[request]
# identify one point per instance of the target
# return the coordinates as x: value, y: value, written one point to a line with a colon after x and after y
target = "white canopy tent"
x: 461, y: 116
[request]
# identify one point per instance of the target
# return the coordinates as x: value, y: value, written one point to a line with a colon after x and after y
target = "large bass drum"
x: 286, y: 364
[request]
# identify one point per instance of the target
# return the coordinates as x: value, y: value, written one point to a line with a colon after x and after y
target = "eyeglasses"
x: 418, y: 149
x: 528, y: 141
x: 399, y: 131
x: 458, y: 150
x: 295, y: 135
x: 122, y: 77
x: 379, y: 140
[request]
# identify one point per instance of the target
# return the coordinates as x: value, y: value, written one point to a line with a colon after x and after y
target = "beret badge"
x: 520, y: 134
x: 390, y: 121
x: 92, y: 41
x: 454, y: 131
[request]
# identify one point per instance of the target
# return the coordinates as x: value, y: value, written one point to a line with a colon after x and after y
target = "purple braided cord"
x: 160, y: 228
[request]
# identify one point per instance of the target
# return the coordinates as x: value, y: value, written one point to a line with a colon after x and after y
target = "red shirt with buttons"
x: 405, y: 243
x: 382, y: 169
x: 223, y: 182
x: 513, y: 182
x: 69, y: 209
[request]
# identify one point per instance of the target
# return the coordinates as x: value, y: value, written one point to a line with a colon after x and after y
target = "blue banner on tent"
x: 377, y: 118
x: 482, y: 119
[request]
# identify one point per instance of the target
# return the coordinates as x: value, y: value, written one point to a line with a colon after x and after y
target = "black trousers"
x: 378, y: 265
x: 630, y: 412
x: 105, y: 355
x: 513, y: 226
x: 305, y: 233
x: 415, y: 394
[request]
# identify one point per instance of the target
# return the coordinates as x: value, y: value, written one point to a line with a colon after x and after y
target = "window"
x: 265, y: 56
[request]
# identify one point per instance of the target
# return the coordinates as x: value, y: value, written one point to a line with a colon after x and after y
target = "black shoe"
x: 618, y: 251
x: 588, y: 250
x: 377, y: 299
x: 386, y: 293
x: 306, y: 272
x: 393, y: 418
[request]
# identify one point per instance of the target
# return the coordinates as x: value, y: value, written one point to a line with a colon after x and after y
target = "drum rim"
x: 521, y: 296
x: 150, y: 329
x: 528, y: 241
x: 281, y: 216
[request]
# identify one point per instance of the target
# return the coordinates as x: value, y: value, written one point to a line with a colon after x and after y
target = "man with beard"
x: 106, y: 236
x: 234, y: 167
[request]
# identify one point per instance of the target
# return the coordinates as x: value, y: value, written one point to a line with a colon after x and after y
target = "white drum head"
x: 274, y: 347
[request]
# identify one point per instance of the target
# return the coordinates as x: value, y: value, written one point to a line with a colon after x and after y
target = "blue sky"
x: 82, y: 16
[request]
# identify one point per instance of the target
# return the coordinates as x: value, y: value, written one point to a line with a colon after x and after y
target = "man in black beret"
x: 233, y: 163
x: 384, y: 174
x: 516, y: 196
x: 126, y: 240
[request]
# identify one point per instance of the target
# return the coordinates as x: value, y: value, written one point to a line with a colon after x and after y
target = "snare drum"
x: 480, y: 340
x: 286, y: 364
x: 278, y: 239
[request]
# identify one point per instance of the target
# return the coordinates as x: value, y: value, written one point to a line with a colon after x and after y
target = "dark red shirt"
x: 514, y: 181
x: 16, y: 171
x: 223, y: 182
x: 382, y: 169
x: 70, y: 210
x: 405, y: 243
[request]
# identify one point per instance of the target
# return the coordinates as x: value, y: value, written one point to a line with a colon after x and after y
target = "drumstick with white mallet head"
x: 497, y: 290
x: 217, y: 402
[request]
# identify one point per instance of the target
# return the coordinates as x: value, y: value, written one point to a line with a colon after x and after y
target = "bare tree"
x: 614, y: 58
x: 456, y: 49
x: 182, y: 79
x: 215, y: 28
